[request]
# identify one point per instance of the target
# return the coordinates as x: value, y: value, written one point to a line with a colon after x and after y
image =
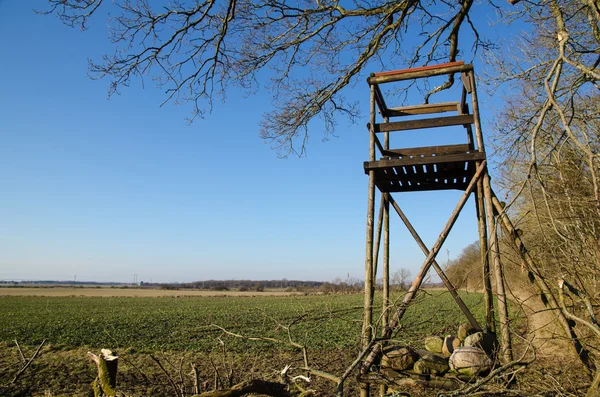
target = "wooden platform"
x: 424, y: 168
x: 425, y: 172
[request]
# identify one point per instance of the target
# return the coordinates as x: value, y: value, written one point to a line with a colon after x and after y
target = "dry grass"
x: 127, y: 292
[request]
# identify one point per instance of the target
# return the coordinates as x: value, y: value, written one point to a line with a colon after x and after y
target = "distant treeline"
x: 240, y: 285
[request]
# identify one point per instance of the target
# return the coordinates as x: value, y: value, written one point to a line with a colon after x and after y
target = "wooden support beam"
x: 494, y: 258
x: 380, y: 102
x: 434, y: 179
x: 476, y: 119
x: 386, y: 260
x: 449, y: 158
x: 433, y: 122
x: 418, y: 73
x: 466, y: 82
x: 380, y: 146
x: 427, y: 108
x: 436, y: 266
x: 367, y: 331
x: 423, y: 187
x: 427, y: 150
x: 488, y: 296
x: 378, y: 234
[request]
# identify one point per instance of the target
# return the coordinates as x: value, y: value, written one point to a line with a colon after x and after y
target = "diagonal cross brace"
x: 436, y: 266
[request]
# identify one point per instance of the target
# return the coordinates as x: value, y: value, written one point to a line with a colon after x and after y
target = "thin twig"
x: 29, y: 362
x: 173, y: 385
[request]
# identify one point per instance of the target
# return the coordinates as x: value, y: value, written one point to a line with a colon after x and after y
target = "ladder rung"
x: 424, y: 123
x: 423, y: 109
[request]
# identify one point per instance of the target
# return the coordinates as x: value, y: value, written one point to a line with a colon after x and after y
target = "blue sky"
x: 105, y: 189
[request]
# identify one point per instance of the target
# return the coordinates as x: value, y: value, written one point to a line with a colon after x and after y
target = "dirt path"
x: 542, y: 328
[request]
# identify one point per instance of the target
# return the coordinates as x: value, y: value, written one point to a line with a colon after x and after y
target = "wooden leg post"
x: 483, y: 251
x: 494, y: 256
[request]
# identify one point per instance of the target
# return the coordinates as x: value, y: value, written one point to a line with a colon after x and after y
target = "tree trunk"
x: 106, y: 382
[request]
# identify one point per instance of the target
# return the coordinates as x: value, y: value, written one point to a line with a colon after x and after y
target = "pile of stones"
x: 469, y: 354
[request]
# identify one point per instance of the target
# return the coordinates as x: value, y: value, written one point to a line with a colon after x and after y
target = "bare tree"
x: 400, y: 278
x: 550, y: 147
x: 304, y: 52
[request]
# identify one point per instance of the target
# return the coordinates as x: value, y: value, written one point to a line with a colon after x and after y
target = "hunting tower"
x: 429, y: 168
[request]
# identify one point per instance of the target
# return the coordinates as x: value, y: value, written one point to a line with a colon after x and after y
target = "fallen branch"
x: 21, y: 352
x: 196, y: 379
x: 29, y: 362
x: 256, y: 386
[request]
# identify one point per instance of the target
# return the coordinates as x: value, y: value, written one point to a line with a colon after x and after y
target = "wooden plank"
x: 425, y: 188
x: 422, y: 184
x: 428, y: 150
x: 427, y: 108
x: 450, y: 158
x: 429, y: 169
x: 418, y: 69
x: 424, y: 123
x: 408, y: 74
x: 385, y: 175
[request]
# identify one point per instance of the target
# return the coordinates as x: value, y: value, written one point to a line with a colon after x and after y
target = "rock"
x: 470, y: 361
x: 483, y: 340
x: 450, y: 343
x: 434, y: 344
x: 399, y: 358
x: 473, y: 339
x: 465, y: 330
x: 431, y: 363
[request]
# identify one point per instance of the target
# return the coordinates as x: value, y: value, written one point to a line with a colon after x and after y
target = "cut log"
x: 434, y: 344
x: 431, y: 363
x: 399, y: 358
x: 450, y: 344
x: 465, y: 330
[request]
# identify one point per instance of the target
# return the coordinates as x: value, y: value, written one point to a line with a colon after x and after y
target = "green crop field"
x: 185, y: 329
x: 318, y: 321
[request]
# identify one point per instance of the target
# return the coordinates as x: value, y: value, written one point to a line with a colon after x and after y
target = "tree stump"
x: 106, y: 382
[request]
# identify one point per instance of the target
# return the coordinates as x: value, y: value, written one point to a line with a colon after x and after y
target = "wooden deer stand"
x: 432, y: 168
